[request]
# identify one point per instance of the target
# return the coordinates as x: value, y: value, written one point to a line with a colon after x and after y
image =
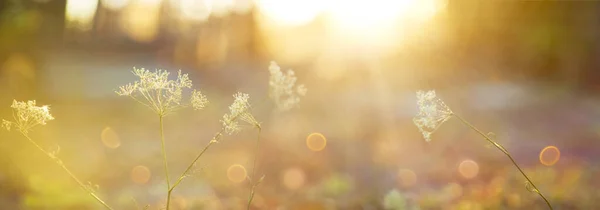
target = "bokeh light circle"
x: 468, y: 169
x: 293, y: 178
x: 549, y: 155
x: 110, y: 138
x: 236, y: 173
x: 316, y: 142
x: 140, y: 174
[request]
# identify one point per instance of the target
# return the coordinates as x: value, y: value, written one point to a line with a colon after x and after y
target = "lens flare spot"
x: 293, y: 178
x: 316, y: 142
x: 407, y: 177
x: 468, y: 169
x: 549, y: 155
x: 236, y: 173
x: 110, y: 138
x: 140, y: 174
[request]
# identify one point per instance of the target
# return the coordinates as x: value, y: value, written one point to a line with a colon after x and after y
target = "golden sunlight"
x: 316, y: 142
x: 549, y: 155
x: 378, y: 22
x: 80, y: 14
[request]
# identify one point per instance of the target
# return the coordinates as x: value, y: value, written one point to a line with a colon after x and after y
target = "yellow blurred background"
x: 525, y: 70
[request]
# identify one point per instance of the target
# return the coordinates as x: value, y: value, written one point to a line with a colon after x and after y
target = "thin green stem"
x: 214, y: 140
x: 501, y: 148
x: 254, y: 184
x: 184, y: 174
x: 62, y: 165
x: 164, y: 154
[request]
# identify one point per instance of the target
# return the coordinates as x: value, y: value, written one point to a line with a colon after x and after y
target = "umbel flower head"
x: 282, y: 88
x: 157, y: 92
x: 27, y: 115
x: 432, y: 113
x: 239, y: 109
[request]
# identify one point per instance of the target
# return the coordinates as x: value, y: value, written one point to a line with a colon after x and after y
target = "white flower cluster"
x: 156, y: 91
x: 432, y: 113
x: 198, y: 100
x: 283, y: 89
x: 27, y: 115
x: 240, y: 109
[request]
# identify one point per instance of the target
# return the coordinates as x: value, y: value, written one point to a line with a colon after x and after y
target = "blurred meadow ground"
x: 525, y: 70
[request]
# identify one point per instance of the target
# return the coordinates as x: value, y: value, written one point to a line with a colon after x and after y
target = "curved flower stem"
x: 187, y: 170
x: 254, y: 184
x: 62, y: 165
x: 164, y: 154
x: 501, y: 148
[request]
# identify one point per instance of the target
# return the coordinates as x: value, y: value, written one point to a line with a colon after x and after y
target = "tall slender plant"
x: 433, y: 112
x: 163, y: 96
x: 286, y: 95
x: 26, y: 116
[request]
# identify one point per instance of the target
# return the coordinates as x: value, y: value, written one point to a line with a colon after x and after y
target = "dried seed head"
x: 27, y: 115
x: 239, y: 109
x: 432, y: 113
x: 282, y: 88
x: 157, y: 92
x: 198, y: 100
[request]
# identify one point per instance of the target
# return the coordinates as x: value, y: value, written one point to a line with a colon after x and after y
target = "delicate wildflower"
x: 282, y: 88
x: 432, y: 113
x: 157, y: 92
x: 198, y: 100
x: 6, y: 124
x: 240, y: 109
x: 27, y: 115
